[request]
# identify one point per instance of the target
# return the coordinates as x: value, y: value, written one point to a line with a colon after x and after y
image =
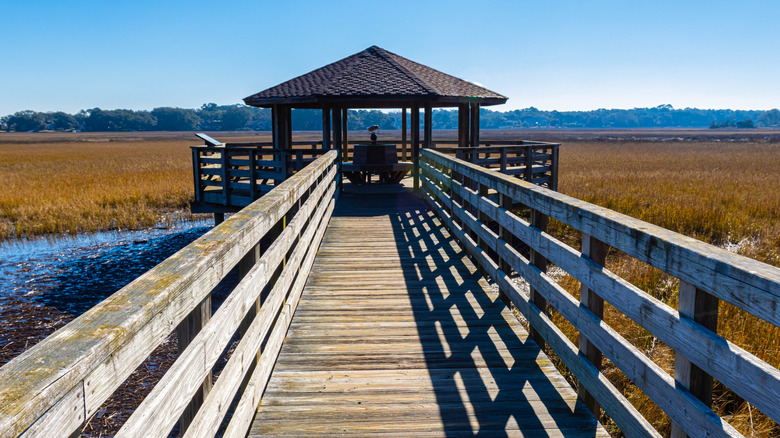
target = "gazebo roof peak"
x: 374, y: 77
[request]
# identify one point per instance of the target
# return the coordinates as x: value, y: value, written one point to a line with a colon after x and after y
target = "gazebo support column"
x: 344, y: 129
x: 416, y: 146
x: 326, y: 128
x: 282, y: 135
x: 463, y: 125
x: 337, y: 139
x: 474, y: 128
x: 428, y: 133
x: 403, y: 134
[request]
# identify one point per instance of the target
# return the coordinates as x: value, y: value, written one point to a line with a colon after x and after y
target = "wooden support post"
x: 224, y: 177
x: 344, y: 129
x: 428, y: 132
x: 703, y: 308
x: 337, y: 139
x: 505, y: 202
x: 185, y: 333
x: 485, y: 219
x: 326, y: 128
x: 597, y: 251
x: 539, y: 221
x: 196, y: 174
x: 529, y: 164
x: 287, y: 111
x: 554, y: 169
x: 253, y: 174
x: 282, y: 136
x: 474, y: 128
x: 463, y: 125
x: 416, y: 146
x: 219, y: 218
x: 403, y: 134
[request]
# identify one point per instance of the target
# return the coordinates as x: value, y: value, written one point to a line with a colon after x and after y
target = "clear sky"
x: 565, y: 55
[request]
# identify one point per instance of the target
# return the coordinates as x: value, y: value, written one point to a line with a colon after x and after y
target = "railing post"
x: 554, y: 167
x: 596, y: 250
x: 505, y: 202
x: 539, y: 221
x: 703, y: 308
x: 252, y: 174
x: 196, y: 174
x: 529, y: 165
x: 403, y: 134
x: 185, y: 333
x: 502, y: 164
x: 416, y: 146
x: 225, y: 184
x: 485, y: 220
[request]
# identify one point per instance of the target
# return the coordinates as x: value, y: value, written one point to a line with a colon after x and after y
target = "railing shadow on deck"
x: 496, y: 395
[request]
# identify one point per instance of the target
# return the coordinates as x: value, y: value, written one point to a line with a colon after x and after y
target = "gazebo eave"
x: 373, y: 101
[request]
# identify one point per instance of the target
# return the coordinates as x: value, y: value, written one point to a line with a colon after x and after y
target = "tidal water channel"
x: 46, y: 282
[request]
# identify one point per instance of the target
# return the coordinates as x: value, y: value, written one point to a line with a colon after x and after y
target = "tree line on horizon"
x: 213, y: 117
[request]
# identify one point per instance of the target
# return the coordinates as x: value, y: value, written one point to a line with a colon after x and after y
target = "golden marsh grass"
x: 54, y: 188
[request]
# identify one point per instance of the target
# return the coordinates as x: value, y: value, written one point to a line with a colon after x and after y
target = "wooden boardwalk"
x: 397, y: 333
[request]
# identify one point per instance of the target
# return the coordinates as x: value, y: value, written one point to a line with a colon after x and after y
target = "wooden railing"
x: 534, y: 162
x: 469, y: 200
x: 51, y: 389
x: 237, y: 174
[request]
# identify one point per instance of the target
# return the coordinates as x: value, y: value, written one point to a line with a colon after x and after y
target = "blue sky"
x: 565, y: 55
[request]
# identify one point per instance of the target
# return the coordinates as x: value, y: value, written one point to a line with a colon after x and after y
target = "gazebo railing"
x: 237, y: 174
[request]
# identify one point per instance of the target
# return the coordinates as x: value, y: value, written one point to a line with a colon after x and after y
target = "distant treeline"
x: 213, y: 117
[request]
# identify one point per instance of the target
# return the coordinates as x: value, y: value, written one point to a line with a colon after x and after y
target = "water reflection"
x: 75, y: 273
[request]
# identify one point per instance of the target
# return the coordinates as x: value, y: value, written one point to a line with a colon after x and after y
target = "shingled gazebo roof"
x: 374, y: 78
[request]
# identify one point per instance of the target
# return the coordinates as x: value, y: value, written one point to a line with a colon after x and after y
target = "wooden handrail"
x: 51, y: 389
x: 457, y: 191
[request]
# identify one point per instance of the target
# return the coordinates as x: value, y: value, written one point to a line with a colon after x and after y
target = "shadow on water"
x: 486, y: 378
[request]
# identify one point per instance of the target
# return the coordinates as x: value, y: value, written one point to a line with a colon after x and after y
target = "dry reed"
x: 77, y: 187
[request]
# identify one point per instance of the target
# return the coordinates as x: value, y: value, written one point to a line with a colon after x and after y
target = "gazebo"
x: 375, y: 78
x: 230, y: 177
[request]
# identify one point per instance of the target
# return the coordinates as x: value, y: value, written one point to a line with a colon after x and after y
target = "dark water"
x: 73, y: 274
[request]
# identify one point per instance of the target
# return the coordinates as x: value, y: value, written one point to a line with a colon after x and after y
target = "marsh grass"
x: 71, y: 188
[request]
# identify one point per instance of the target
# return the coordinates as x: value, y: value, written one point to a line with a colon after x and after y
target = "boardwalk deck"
x: 397, y: 333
